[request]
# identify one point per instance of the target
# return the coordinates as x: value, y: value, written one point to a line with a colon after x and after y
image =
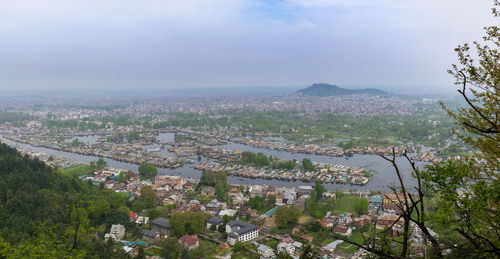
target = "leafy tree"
x: 140, y: 253
x: 220, y: 190
x: 133, y: 136
x: 101, y: 163
x: 46, y: 214
x: 480, y: 118
x: 121, y: 177
x: 222, y: 228
x: 361, y: 206
x: 471, y: 190
x: 238, y: 246
x: 256, y: 202
x: 217, y: 180
x: 271, y: 202
x: 287, y: 217
x: 98, y: 209
x: 319, y: 189
x: 148, y: 196
x: 307, y: 164
x: 190, y: 222
x: 315, y: 226
x: 257, y: 160
x: 171, y: 248
x: 466, y: 206
x: 147, y: 171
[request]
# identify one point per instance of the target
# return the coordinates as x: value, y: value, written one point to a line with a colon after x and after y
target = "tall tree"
x: 147, y: 171
x: 479, y: 76
x: 171, y: 248
x: 319, y: 189
x: 148, y: 196
x: 471, y: 190
x: 307, y: 164
x: 361, y: 206
x: 287, y: 217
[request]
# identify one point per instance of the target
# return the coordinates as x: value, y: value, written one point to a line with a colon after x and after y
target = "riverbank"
x: 383, y: 172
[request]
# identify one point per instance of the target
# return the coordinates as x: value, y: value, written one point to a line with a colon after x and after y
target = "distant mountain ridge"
x: 323, y: 90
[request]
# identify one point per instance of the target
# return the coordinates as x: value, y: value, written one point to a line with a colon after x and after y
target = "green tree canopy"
x: 469, y: 191
x: 190, y: 222
x: 147, y: 171
x: 148, y: 196
x: 171, y: 248
x: 307, y: 164
x: 287, y: 217
x: 361, y: 206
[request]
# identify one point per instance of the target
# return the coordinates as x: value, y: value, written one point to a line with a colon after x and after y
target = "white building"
x: 241, y: 231
x: 117, y: 230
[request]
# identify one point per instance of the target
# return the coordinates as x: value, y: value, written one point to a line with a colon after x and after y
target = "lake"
x: 383, y: 171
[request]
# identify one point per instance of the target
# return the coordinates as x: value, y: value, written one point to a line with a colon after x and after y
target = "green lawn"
x: 344, y: 204
x: 271, y: 243
x: 250, y: 246
x: 205, y: 248
x: 153, y: 251
x: 327, y: 241
x: 76, y: 170
x: 355, y: 237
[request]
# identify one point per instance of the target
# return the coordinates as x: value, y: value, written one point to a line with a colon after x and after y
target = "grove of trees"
x: 287, y: 217
x: 147, y: 171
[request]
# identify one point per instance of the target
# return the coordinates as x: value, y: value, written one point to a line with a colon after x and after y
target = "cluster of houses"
x: 311, y: 148
x: 328, y: 173
x: 174, y: 191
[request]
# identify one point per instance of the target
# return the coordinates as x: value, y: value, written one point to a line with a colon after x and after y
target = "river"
x: 383, y: 171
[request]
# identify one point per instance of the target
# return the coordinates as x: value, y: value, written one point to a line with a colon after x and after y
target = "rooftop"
x: 243, y: 227
x: 163, y: 222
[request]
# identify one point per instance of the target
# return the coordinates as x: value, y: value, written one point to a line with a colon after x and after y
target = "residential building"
x: 118, y: 230
x: 161, y: 226
x: 189, y: 242
x: 386, y: 220
x: 240, y: 231
x: 343, y: 230
x: 149, y: 235
x: 265, y: 252
x: 217, y: 221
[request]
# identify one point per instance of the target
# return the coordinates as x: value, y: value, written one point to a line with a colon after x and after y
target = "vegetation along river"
x: 383, y: 172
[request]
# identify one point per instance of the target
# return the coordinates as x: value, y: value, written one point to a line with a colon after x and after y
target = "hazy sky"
x: 189, y: 43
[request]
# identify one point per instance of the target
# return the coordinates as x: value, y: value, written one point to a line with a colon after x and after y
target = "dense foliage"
x: 13, y: 117
x: 287, y: 217
x: 187, y: 223
x: 147, y: 171
x: 46, y: 212
x: 257, y: 160
x: 217, y: 180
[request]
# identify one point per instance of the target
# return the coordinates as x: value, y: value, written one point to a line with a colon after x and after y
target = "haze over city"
x: 233, y: 43
x: 249, y: 129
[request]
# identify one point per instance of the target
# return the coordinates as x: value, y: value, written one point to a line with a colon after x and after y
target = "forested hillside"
x: 47, y: 214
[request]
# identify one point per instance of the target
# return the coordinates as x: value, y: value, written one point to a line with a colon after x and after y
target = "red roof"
x: 341, y: 229
x: 189, y: 240
x: 307, y: 237
x: 288, y: 240
x: 222, y: 245
x: 133, y: 214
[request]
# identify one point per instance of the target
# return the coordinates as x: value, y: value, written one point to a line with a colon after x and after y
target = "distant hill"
x: 323, y: 90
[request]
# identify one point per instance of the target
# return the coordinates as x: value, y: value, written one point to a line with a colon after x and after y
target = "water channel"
x: 383, y: 171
